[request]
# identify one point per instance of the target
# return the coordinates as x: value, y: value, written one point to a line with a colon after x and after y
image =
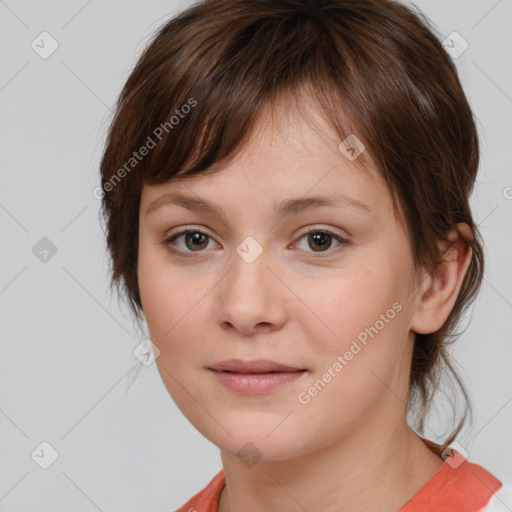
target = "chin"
x: 257, y: 440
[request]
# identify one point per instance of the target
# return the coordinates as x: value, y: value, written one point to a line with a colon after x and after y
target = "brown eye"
x: 320, y: 240
x: 194, y: 241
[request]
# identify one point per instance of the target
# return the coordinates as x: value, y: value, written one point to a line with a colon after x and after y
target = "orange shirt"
x: 465, y: 488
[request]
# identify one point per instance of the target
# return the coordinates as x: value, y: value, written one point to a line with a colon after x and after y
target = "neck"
x: 375, y: 473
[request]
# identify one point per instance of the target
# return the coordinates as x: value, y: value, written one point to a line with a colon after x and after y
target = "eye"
x: 322, y: 239
x: 193, y: 239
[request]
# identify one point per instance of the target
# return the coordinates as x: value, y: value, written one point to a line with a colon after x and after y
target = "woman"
x: 287, y: 202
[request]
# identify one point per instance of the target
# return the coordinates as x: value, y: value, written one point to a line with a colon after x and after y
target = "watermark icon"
x: 44, y: 45
x: 150, y: 143
x: 249, y: 249
x: 146, y: 352
x: 304, y: 397
x: 455, y: 45
x: 249, y: 454
x: 454, y: 455
x: 351, y: 147
x: 44, y: 250
x: 507, y: 193
x: 44, y: 455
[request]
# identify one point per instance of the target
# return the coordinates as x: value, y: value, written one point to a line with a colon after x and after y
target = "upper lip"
x: 253, y: 366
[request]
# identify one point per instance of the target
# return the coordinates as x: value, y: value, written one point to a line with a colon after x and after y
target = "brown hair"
x: 375, y: 68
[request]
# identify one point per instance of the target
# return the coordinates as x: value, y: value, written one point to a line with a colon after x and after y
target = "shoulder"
x: 459, y: 485
x: 207, y: 499
x: 501, y: 501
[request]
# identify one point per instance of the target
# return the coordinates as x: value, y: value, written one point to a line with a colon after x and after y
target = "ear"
x: 439, y: 289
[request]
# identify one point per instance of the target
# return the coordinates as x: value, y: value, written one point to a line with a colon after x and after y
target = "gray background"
x: 67, y: 345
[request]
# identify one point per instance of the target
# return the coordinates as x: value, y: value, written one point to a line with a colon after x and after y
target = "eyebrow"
x: 287, y: 206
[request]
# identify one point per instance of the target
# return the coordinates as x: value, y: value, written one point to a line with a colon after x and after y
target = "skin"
x: 350, y: 447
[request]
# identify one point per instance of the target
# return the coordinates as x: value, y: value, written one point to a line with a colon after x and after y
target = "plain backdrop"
x: 67, y: 344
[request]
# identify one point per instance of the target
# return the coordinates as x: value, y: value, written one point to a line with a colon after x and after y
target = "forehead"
x: 294, y: 128
x: 288, y: 154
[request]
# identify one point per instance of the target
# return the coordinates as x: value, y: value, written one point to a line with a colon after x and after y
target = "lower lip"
x: 254, y: 383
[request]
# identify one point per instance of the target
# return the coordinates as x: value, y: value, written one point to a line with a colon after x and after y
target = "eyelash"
x: 318, y: 254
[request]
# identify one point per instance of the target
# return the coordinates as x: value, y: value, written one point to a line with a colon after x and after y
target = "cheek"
x: 157, y: 302
x: 366, y: 349
x: 163, y: 293
x: 364, y: 319
x: 175, y: 308
x: 354, y: 302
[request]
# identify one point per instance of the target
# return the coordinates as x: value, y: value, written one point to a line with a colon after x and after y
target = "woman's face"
x: 250, y: 283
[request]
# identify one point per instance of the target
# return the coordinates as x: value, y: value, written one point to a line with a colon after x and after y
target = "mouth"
x: 255, y: 377
x: 254, y: 366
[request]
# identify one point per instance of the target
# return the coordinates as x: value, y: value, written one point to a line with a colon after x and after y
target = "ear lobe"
x: 440, y: 289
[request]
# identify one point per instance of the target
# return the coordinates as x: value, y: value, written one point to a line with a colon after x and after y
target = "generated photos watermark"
x: 151, y: 142
x: 361, y: 341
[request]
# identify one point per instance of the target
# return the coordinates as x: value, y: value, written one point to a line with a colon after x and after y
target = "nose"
x: 251, y: 298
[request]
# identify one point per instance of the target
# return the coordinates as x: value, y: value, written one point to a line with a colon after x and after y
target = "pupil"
x: 320, y: 239
x: 196, y: 240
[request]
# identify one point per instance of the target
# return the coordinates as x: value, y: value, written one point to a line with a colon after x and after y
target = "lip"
x: 254, y: 377
x: 253, y: 366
